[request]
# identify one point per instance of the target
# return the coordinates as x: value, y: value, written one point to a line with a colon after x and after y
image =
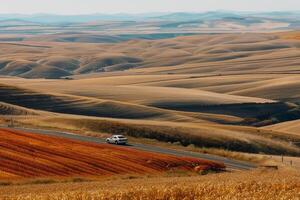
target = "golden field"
x: 259, y: 184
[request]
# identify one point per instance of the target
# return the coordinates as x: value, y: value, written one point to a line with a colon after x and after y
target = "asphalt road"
x: 230, y: 163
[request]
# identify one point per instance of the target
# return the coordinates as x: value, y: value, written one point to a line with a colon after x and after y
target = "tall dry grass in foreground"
x: 259, y: 184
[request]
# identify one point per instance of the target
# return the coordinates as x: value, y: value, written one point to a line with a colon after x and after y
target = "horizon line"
x: 144, y: 13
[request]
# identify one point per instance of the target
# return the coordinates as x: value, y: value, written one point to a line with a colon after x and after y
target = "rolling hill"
x: 220, y: 54
x: 290, y: 127
x: 207, y: 90
x: 70, y: 104
x: 9, y: 109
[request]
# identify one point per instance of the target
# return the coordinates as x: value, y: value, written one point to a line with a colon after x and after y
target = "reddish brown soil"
x: 27, y: 155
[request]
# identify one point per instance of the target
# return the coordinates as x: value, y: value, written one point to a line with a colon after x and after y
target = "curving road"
x: 230, y: 163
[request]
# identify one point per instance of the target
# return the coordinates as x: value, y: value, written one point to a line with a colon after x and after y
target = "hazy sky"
x: 139, y: 6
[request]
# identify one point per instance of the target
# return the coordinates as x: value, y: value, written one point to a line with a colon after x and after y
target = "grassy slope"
x: 290, y: 127
x: 293, y: 35
x: 81, y: 105
x: 205, y: 134
x: 9, y: 109
x: 128, y: 96
x: 126, y: 90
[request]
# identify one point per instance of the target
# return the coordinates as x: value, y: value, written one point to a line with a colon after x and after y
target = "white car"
x: 117, y: 139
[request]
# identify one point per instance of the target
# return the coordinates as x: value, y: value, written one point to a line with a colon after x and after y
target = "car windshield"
x: 121, y: 137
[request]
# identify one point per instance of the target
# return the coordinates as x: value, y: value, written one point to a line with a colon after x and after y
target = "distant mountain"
x: 16, y: 22
x: 158, y: 25
x: 280, y: 15
x: 50, y: 18
x: 180, y: 16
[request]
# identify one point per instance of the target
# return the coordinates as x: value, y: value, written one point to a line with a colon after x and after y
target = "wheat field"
x: 261, y: 184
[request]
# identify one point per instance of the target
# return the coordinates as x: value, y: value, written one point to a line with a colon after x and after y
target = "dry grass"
x: 8, y: 109
x: 293, y: 35
x: 92, y: 106
x: 253, y: 158
x: 258, y: 184
x: 290, y: 127
x: 208, y: 135
x: 259, y: 159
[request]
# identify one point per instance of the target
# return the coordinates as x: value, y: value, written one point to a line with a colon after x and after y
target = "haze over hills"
x: 115, y: 24
x: 179, y: 16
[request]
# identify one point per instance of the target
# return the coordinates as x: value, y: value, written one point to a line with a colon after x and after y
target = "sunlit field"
x: 259, y: 184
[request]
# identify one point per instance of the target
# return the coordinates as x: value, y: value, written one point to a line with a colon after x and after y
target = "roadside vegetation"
x: 154, y: 142
x: 232, y: 138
